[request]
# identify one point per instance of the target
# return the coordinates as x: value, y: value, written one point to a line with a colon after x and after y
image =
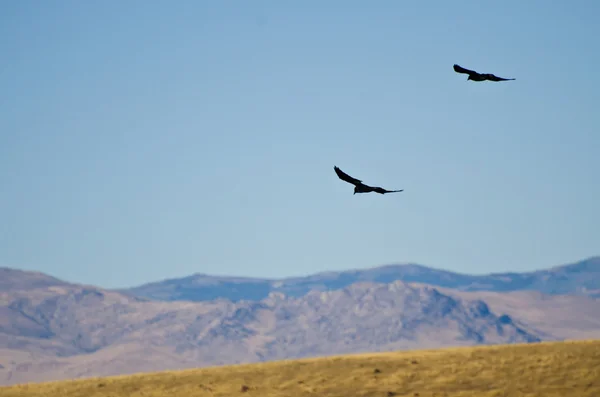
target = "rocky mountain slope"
x: 50, y: 329
x: 581, y: 278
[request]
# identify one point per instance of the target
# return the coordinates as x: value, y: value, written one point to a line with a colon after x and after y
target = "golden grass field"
x: 565, y: 369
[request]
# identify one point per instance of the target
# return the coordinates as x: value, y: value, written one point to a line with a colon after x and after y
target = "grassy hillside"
x: 544, y: 369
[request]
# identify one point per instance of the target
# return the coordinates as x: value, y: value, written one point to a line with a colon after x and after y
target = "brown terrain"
x: 51, y: 330
x: 548, y: 369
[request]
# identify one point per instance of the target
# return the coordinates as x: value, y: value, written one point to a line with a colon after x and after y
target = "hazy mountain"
x: 18, y: 280
x: 581, y: 278
x: 50, y: 329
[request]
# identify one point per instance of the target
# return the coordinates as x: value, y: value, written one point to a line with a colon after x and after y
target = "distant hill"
x: 17, y: 280
x: 50, y: 329
x: 581, y: 278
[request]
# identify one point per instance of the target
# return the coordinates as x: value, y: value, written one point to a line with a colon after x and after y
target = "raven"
x: 360, y: 187
x: 473, y: 75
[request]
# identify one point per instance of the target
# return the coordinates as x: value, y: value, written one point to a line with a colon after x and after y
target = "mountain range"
x: 52, y: 329
x: 581, y: 278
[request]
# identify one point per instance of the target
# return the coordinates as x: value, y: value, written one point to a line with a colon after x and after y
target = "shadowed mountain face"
x: 581, y: 278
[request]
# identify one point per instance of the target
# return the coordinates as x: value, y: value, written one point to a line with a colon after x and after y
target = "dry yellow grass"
x: 545, y: 370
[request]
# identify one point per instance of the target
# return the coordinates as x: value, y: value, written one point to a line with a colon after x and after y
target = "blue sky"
x: 147, y: 140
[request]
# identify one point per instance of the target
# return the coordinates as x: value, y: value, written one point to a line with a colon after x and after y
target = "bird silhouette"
x: 360, y: 187
x: 473, y: 75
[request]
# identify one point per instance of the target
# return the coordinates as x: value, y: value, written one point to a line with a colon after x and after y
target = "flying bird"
x: 360, y: 187
x: 473, y: 75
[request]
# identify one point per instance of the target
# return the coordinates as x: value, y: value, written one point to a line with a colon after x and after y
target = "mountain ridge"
x: 50, y: 329
x: 578, y: 278
x: 76, y: 330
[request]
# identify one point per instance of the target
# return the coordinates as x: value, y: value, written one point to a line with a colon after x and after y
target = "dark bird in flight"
x: 473, y: 75
x: 360, y: 187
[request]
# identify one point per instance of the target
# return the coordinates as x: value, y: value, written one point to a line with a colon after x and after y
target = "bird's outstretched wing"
x: 491, y: 77
x: 345, y: 177
x: 384, y: 191
x: 460, y: 69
